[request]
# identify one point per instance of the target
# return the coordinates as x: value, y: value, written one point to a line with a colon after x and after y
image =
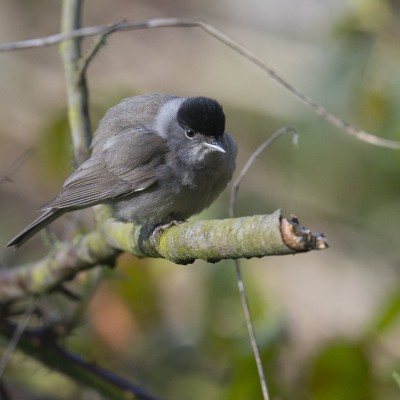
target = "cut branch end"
x: 299, y: 238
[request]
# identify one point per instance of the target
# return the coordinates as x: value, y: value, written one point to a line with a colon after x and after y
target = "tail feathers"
x: 38, y: 224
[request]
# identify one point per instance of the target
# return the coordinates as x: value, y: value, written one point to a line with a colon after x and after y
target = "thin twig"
x: 249, y: 163
x: 16, y: 164
x: 225, y: 39
x: 96, y: 46
x: 250, y: 328
x: 42, y: 344
x: 103, y: 374
x: 19, y: 330
x: 242, y: 290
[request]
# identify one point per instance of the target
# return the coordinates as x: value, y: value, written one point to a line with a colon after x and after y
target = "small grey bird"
x: 156, y: 158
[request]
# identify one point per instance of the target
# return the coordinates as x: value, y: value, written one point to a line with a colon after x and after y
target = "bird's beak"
x: 214, y: 145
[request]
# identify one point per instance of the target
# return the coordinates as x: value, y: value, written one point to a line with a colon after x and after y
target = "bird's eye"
x: 190, y: 133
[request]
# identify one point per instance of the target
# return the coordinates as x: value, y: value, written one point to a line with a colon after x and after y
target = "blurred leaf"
x: 244, y: 383
x: 374, y: 109
x: 56, y: 149
x: 135, y: 283
x: 389, y: 313
x: 396, y: 377
x: 341, y: 371
x: 244, y: 380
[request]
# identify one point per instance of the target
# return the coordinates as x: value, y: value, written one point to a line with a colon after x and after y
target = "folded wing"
x: 125, y: 165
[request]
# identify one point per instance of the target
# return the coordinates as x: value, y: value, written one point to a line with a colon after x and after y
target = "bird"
x: 155, y: 159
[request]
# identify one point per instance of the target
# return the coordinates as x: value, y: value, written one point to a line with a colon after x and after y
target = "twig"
x: 19, y: 330
x: 250, y: 328
x: 242, y: 290
x: 249, y: 163
x: 222, y: 37
x: 16, y: 164
x: 103, y: 374
x: 96, y: 46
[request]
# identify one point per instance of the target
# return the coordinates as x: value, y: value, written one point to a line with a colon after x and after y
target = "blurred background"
x: 327, y: 322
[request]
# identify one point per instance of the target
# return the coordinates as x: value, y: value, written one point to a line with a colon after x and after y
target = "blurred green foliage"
x: 341, y: 370
x: 55, y: 148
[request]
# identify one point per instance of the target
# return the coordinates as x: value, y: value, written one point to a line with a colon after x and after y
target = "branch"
x: 212, y: 241
x: 222, y: 37
x: 77, y: 90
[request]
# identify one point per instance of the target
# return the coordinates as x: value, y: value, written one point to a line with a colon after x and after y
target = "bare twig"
x: 19, y: 330
x: 16, y: 164
x: 242, y: 290
x: 56, y: 39
x: 127, y: 388
x: 249, y: 163
x: 222, y: 37
x: 251, y: 330
x: 96, y: 46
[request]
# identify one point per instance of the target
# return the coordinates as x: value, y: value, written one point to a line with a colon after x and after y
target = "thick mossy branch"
x: 214, y: 240
x: 59, y: 266
x: 211, y: 240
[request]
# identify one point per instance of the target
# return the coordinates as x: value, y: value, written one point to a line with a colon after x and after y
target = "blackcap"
x: 155, y: 159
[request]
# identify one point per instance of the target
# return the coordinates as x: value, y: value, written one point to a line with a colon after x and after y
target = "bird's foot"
x: 158, y: 230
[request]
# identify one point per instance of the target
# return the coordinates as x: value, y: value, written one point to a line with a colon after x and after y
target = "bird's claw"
x: 158, y: 230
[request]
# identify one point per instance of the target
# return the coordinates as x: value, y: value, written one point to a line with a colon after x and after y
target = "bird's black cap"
x: 203, y: 115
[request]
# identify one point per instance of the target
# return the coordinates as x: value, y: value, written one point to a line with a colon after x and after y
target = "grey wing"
x: 126, y: 164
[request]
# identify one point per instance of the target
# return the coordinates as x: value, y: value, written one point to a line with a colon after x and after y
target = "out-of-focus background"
x: 327, y: 322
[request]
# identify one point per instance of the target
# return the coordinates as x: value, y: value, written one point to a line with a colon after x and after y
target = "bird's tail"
x: 38, y: 224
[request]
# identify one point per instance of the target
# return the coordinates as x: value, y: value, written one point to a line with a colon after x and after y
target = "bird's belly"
x: 162, y: 205
x: 180, y: 193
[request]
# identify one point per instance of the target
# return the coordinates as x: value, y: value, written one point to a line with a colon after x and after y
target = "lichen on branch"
x: 211, y: 240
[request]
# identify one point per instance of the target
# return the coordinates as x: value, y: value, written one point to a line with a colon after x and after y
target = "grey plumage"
x: 155, y: 158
